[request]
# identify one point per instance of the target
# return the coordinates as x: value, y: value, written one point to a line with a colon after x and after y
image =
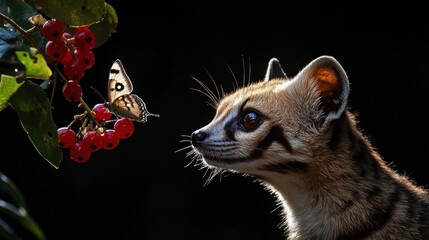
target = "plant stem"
x: 87, y: 109
x: 27, y: 36
x: 22, y: 31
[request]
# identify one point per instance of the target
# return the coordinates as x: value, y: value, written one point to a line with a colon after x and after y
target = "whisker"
x: 199, y: 163
x: 217, y: 172
x: 205, y: 173
x: 189, y: 164
x: 213, y: 99
x: 185, y: 141
x: 181, y: 149
x: 192, y: 153
x: 234, y: 77
x: 193, y: 158
x: 223, y: 92
x: 214, y: 96
x: 249, y: 72
x: 214, y: 84
x: 211, y: 102
x: 244, y: 71
x: 213, y: 174
x: 185, y: 135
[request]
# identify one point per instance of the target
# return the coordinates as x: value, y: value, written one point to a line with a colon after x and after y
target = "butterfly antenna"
x: 98, y: 93
x: 153, y: 114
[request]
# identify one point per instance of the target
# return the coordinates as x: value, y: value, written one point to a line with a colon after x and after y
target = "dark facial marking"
x: 230, y: 128
x: 275, y: 135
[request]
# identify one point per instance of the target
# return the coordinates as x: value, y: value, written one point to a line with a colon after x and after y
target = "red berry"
x: 66, y: 137
x: 67, y: 57
x: 53, y: 29
x: 74, y: 69
x: 101, y: 112
x: 72, y: 90
x: 84, y: 39
x: 92, y: 140
x: 124, y: 127
x: 79, y: 152
x: 56, y: 50
x: 83, y: 27
x: 110, y: 139
x: 85, y: 56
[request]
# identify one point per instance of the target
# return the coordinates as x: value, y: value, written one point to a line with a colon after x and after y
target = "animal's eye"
x: 251, y: 120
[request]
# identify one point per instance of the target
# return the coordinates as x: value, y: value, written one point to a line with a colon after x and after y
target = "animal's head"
x: 271, y: 125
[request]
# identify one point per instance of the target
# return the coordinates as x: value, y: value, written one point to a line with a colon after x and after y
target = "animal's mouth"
x: 222, y: 161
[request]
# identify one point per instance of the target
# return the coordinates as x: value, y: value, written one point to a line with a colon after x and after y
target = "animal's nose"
x: 198, y: 137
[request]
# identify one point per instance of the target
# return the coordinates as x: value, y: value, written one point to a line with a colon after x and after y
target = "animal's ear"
x: 274, y: 70
x: 331, y: 82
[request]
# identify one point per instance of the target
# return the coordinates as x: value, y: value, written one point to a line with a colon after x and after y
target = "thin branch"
x: 27, y: 35
x: 87, y: 109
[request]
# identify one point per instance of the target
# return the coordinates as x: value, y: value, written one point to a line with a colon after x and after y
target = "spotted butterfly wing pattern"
x: 121, y: 101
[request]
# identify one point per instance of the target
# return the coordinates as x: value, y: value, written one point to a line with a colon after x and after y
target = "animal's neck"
x: 322, y: 200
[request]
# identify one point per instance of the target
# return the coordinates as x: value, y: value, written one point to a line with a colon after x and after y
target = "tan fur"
x: 299, y: 139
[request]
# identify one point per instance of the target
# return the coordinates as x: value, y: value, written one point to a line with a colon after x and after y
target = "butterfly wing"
x: 131, y: 106
x: 119, y: 83
x: 122, y: 103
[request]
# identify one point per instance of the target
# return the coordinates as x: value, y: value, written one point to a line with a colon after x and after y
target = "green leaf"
x: 21, y: 216
x: 20, y: 12
x: 14, y: 68
x: 34, y: 111
x: 9, y: 187
x: 8, y: 86
x: 72, y: 13
x: 15, y: 212
x: 10, y: 41
x: 6, y: 232
x: 35, y: 64
x: 104, y: 29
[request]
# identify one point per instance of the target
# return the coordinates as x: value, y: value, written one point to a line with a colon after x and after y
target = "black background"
x: 142, y: 189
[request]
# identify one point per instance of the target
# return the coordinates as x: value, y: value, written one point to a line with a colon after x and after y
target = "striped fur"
x: 297, y: 136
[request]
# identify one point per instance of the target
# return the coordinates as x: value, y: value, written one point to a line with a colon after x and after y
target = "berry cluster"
x: 74, y: 52
x: 94, y: 137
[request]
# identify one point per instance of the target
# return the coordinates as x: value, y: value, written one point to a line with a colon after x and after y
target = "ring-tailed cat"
x: 298, y: 137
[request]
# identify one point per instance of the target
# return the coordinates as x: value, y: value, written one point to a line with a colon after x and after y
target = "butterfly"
x: 120, y: 99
